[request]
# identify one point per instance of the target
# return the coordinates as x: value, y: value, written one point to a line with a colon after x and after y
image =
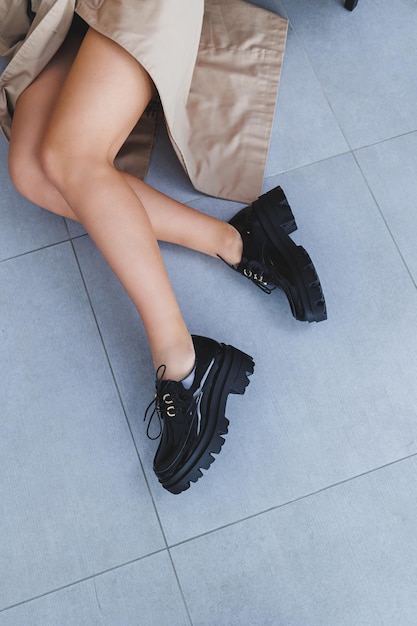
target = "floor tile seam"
x: 67, y: 227
x: 386, y: 139
x: 309, y: 163
x: 120, y: 397
x: 174, y: 569
x: 317, y: 77
x: 80, y: 236
x: 294, y: 501
x: 80, y: 581
x: 351, y: 151
x: 46, y: 247
x: 323, y: 89
x: 386, y: 224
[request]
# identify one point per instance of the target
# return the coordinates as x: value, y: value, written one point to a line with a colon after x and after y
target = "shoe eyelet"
x: 169, y: 404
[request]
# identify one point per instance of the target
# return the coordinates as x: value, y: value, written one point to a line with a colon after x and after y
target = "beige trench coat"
x: 216, y: 65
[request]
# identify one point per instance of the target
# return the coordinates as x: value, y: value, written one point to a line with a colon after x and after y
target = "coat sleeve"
x: 14, y: 25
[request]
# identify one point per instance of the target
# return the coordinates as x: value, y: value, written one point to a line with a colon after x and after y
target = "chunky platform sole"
x: 301, y: 284
x: 230, y: 376
x: 276, y: 203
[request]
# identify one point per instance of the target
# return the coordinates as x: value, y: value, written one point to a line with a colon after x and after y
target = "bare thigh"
x: 103, y: 96
x: 171, y: 220
x: 33, y: 111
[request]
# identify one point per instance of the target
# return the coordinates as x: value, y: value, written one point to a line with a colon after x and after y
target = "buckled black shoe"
x: 193, y: 420
x: 271, y: 259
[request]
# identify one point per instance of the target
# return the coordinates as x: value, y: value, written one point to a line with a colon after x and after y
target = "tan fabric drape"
x: 216, y: 65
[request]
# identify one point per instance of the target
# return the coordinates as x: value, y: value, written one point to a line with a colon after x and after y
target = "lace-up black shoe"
x: 271, y: 259
x: 193, y: 420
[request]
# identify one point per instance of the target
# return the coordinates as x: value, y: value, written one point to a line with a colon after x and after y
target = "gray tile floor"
x: 308, y: 517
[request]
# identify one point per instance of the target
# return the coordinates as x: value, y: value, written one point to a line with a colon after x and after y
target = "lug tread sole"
x: 275, y: 201
x: 236, y: 369
x: 310, y: 293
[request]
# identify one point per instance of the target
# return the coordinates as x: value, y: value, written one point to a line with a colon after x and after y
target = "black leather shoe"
x: 271, y: 259
x: 193, y: 420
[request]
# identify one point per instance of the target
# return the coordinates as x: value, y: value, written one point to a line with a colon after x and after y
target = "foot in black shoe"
x: 271, y: 259
x: 193, y: 420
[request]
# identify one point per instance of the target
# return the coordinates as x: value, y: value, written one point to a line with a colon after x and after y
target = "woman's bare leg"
x: 171, y: 221
x: 33, y: 110
x: 177, y: 223
x: 101, y: 100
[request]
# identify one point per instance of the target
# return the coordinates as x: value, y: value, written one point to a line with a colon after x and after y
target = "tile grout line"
x: 46, y: 247
x: 310, y: 163
x: 351, y: 149
x: 338, y: 154
x: 180, y: 587
x: 119, y: 394
x: 352, y: 153
x: 215, y: 530
x: 300, y: 498
x: 413, y: 280
x: 67, y: 227
x: 379, y: 141
x: 166, y: 548
x: 82, y: 580
x: 316, y: 76
x: 133, y: 440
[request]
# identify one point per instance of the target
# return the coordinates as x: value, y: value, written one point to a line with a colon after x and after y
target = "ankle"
x: 179, y: 360
x: 232, y: 246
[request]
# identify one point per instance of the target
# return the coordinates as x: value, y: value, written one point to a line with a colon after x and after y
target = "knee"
x: 52, y: 160
x: 67, y: 164
x: 24, y: 172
